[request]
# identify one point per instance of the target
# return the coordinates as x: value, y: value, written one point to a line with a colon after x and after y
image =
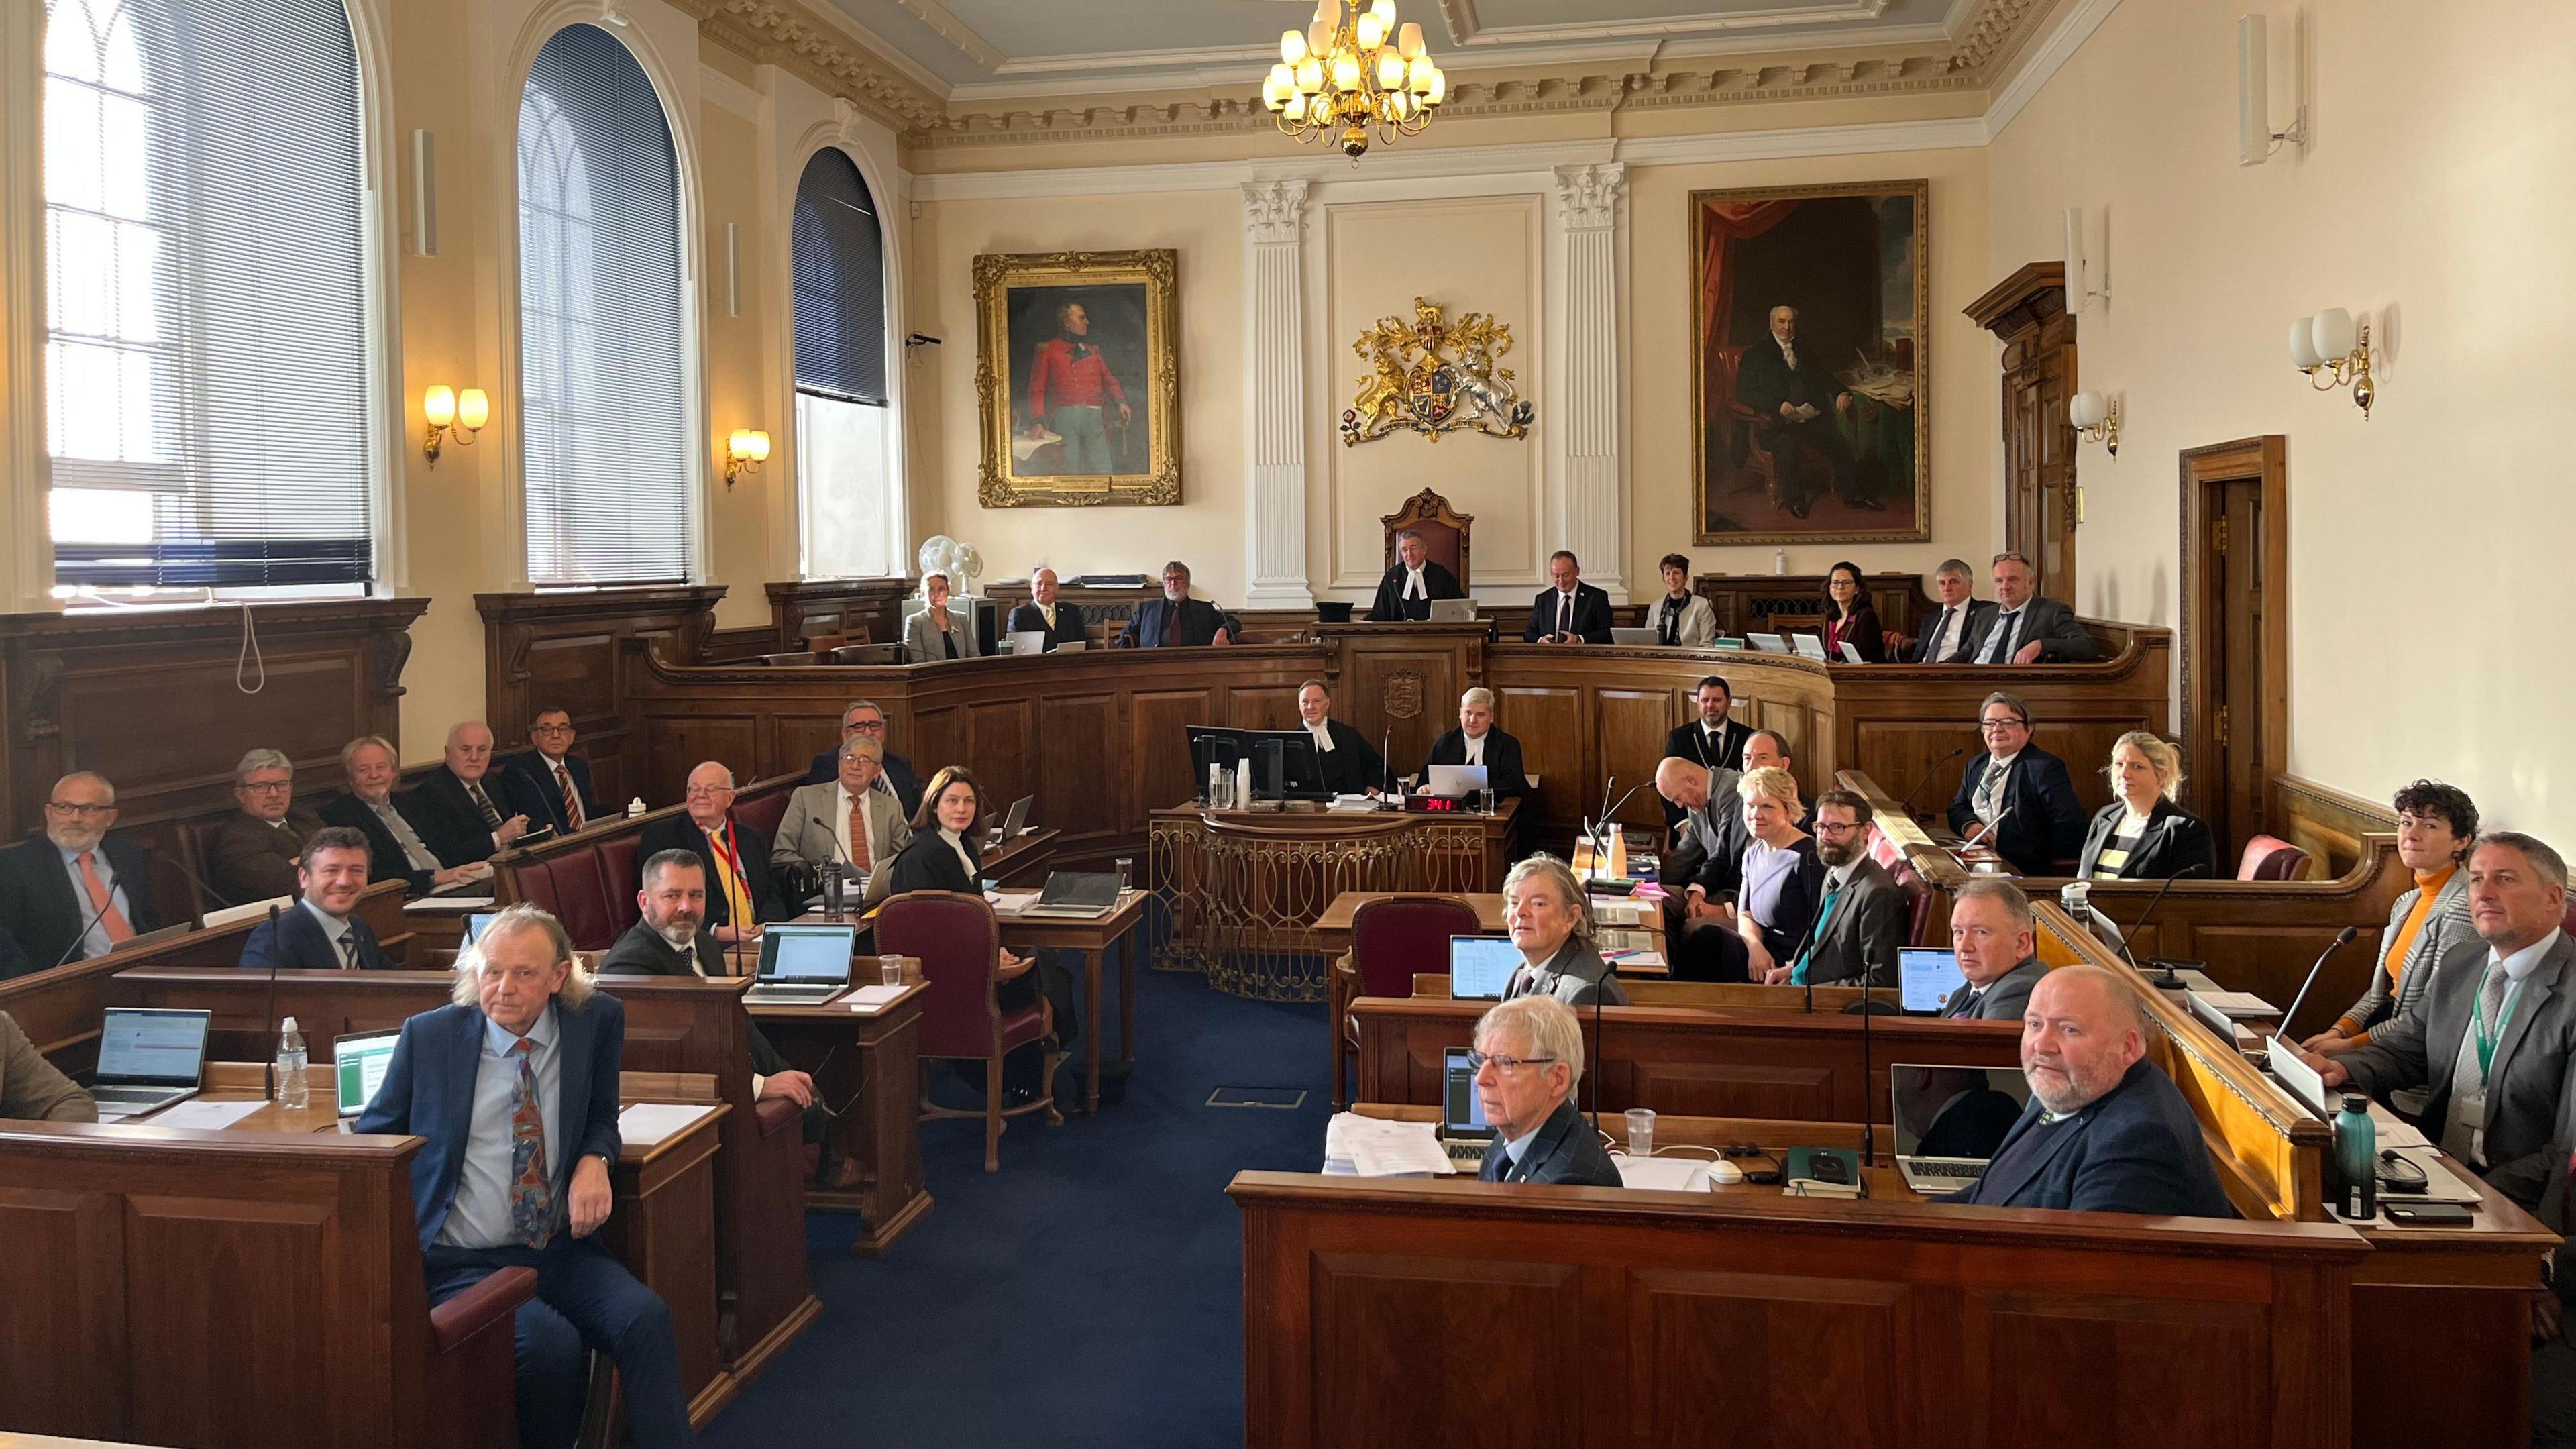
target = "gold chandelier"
x: 1349, y: 73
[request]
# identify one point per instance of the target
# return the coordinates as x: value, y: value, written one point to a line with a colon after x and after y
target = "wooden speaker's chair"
x: 1444, y: 532
x: 959, y: 946
x: 1392, y: 939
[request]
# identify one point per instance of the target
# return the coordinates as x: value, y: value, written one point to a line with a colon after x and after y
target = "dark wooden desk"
x: 1091, y: 940
x: 866, y: 1068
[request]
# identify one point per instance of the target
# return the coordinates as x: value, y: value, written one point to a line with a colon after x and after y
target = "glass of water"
x: 1641, y: 1132
x: 1126, y: 874
x: 890, y: 970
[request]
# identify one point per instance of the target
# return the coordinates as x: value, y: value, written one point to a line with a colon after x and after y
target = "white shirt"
x: 1788, y: 353
x: 1518, y: 1148
x: 2001, y: 645
x: 479, y: 1217
x: 1475, y: 749
x: 1989, y: 802
x: 1946, y: 641
x: 1323, y: 734
x: 335, y: 929
x: 1413, y: 588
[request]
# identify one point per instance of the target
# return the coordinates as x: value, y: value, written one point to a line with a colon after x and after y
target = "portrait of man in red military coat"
x: 1075, y: 416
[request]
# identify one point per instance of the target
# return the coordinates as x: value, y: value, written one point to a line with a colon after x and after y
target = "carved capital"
x: 1589, y: 196
x: 393, y: 651
x: 1274, y: 211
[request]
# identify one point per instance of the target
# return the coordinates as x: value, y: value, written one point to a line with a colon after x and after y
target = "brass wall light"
x: 2096, y: 418
x: 451, y: 412
x: 2334, y: 353
x: 745, y: 451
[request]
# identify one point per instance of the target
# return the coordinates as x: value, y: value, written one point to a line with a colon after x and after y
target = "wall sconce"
x: 448, y: 410
x: 745, y: 451
x: 2096, y: 418
x: 2334, y: 354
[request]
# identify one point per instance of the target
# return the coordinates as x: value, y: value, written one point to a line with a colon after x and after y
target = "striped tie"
x: 532, y: 1202
x: 571, y: 798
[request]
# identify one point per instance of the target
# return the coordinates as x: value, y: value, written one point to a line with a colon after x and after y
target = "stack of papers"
x: 871, y: 998
x: 647, y: 1123
x: 2236, y: 1005
x: 1374, y: 1147
x: 1010, y: 903
x: 203, y: 1116
x: 1352, y: 804
x: 1662, y: 1174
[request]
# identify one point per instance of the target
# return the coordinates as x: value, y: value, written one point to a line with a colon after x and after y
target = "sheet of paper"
x: 1011, y: 903
x: 2237, y: 1003
x: 448, y: 905
x: 1638, y: 960
x: 1375, y: 1147
x: 201, y: 1116
x: 1663, y: 1174
x: 871, y: 998
x: 647, y: 1123
x: 2390, y: 1130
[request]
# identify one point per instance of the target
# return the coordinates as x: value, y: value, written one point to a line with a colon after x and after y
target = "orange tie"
x: 571, y: 798
x: 102, y: 903
x: 858, y: 832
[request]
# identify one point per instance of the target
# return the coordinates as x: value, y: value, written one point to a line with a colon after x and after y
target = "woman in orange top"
x: 2436, y: 825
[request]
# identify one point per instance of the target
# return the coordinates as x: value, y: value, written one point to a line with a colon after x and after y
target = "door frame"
x: 2266, y: 460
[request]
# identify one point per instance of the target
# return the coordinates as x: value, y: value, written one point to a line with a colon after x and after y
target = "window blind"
x: 601, y: 368
x: 837, y: 252
x: 206, y: 354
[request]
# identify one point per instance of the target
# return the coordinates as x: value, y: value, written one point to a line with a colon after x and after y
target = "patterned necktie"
x: 102, y: 904
x: 483, y: 802
x: 532, y: 1200
x: 349, y: 949
x: 859, y: 857
x: 571, y: 797
x: 1990, y: 791
x: 1824, y: 913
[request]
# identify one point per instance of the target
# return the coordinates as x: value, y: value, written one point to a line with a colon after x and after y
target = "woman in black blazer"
x: 1849, y: 619
x: 2143, y: 835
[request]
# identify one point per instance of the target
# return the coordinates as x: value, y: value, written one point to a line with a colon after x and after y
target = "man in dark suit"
x: 742, y: 894
x: 1176, y: 619
x: 1949, y: 630
x: 1413, y: 583
x: 1351, y: 764
x: 2017, y: 795
x: 2493, y: 1036
x: 394, y: 843
x: 2024, y: 629
x: 550, y: 784
x: 1572, y: 612
x: 13, y: 958
x: 514, y: 1093
x: 1994, y: 935
x: 75, y: 892
x: 458, y: 809
x: 2105, y: 1130
x: 1476, y: 742
x: 253, y: 855
x: 319, y: 933
x: 864, y: 717
x: 1800, y: 404
x: 1061, y: 623
x: 1529, y: 1058
x: 1861, y: 923
x: 1712, y: 741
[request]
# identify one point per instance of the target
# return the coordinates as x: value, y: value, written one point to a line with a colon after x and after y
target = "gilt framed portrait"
x: 1809, y: 365
x: 1077, y: 373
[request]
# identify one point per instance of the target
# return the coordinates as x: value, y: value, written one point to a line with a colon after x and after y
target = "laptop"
x: 1457, y: 782
x: 358, y: 1063
x: 1073, y: 647
x: 1949, y: 1120
x: 1769, y: 643
x: 1014, y: 820
x: 1027, y: 641
x: 1080, y: 895
x: 1725, y: 642
x: 1926, y: 976
x: 476, y: 924
x: 1464, y: 1132
x: 1636, y: 638
x: 148, y: 1058
x: 1453, y: 611
x: 803, y: 965
x: 1851, y: 653
x: 1481, y: 966
x: 1808, y: 646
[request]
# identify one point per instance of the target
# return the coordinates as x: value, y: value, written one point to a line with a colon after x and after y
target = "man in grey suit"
x: 1948, y: 630
x: 1861, y: 921
x: 2492, y: 1038
x: 1528, y: 1060
x: 1994, y: 935
x: 935, y: 634
x: 855, y: 819
x: 2025, y: 629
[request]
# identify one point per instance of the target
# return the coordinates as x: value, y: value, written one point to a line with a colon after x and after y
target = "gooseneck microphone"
x: 2342, y: 939
x: 2195, y: 868
x: 1905, y: 807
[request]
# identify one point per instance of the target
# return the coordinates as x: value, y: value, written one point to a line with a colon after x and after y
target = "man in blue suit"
x: 1176, y: 619
x: 2105, y: 1130
x: 864, y: 717
x: 2018, y: 795
x: 319, y: 933
x: 514, y: 1089
x: 550, y: 784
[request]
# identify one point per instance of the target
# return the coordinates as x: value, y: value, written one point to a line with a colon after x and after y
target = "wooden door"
x: 2027, y: 311
x: 2235, y: 552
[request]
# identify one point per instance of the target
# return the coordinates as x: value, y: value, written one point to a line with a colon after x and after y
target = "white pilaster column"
x: 1274, y: 355
x: 1591, y: 400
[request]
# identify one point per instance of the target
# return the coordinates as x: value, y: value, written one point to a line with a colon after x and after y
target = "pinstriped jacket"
x: 2446, y: 927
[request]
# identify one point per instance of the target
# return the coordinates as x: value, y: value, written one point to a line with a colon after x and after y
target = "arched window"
x: 602, y: 392
x: 844, y: 436
x: 206, y: 342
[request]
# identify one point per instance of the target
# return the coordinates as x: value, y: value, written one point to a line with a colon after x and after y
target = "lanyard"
x: 2486, y: 1041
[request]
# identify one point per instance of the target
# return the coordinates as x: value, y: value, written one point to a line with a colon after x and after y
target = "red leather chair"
x: 581, y: 900
x: 762, y: 812
x: 621, y: 874
x: 1918, y: 903
x: 1392, y: 939
x: 2268, y: 857
x: 959, y: 946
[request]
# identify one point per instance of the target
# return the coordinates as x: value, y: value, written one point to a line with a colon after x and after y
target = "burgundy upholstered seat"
x: 959, y: 946
x: 2268, y: 857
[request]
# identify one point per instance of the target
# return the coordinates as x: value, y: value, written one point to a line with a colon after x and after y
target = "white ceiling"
x: 975, y: 49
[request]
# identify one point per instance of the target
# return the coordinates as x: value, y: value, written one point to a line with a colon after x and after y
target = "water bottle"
x: 2356, y: 1143
x: 292, y: 1089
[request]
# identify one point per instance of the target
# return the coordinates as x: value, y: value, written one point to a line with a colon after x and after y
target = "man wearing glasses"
x: 2019, y: 798
x: 1861, y: 920
x: 1528, y: 1058
x: 252, y: 858
x: 864, y: 718
x: 73, y: 893
x: 550, y: 784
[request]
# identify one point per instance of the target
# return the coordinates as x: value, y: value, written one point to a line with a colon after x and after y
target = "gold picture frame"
x: 1078, y: 411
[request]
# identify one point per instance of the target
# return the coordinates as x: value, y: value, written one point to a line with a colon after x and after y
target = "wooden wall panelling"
x: 2330, y: 825
x: 1077, y: 760
x: 1743, y: 602
x: 869, y: 609
x: 678, y: 746
x: 95, y: 691
x: 566, y: 650
x: 1556, y: 749
x: 1155, y: 739
x: 1399, y: 683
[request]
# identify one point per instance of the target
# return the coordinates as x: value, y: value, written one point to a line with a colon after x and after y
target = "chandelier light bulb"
x: 1279, y: 87
x: 1329, y: 13
x: 1439, y: 87
x: 1371, y: 31
x: 1295, y: 110
x: 1346, y: 71
x: 1292, y: 47
x: 1310, y: 75
x: 1319, y: 38
x: 1408, y: 41
x: 1384, y: 10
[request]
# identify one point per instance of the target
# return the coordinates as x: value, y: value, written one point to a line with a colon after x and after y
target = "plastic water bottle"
x: 2356, y: 1143
x: 292, y: 1088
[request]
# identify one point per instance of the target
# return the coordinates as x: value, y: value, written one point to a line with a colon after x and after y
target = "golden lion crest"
x: 1436, y: 377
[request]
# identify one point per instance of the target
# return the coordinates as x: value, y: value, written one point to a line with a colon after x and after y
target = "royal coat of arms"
x: 1436, y: 377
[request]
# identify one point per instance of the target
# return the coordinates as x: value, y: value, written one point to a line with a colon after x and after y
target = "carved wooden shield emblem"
x: 1404, y: 695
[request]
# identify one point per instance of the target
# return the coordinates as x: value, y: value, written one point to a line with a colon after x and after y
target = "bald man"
x: 458, y: 810
x: 1061, y: 623
x: 2105, y: 1130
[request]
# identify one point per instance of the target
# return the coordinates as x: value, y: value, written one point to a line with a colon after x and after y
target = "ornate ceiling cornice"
x: 787, y: 35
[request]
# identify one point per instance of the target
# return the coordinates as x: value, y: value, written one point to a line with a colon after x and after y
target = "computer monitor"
x: 1481, y: 966
x: 358, y: 1062
x: 806, y: 953
x: 1926, y: 977
x: 152, y: 1047
x: 1461, y: 1115
x: 475, y: 925
x: 1285, y: 763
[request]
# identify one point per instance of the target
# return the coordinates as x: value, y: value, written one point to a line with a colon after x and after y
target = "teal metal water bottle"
x: 2357, y: 1157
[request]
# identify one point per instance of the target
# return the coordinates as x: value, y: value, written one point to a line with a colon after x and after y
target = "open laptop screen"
x: 359, y: 1063
x: 806, y: 953
x: 1460, y: 1113
x: 1927, y: 977
x: 1945, y: 1111
x: 143, y: 1047
x: 1481, y: 966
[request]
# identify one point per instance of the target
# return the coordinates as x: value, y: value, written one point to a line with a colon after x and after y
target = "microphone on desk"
x: 82, y: 934
x: 268, y: 1017
x: 2342, y: 939
x: 1905, y: 807
x: 2122, y: 941
x: 1983, y: 830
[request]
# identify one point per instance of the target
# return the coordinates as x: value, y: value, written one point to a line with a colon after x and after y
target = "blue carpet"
x: 1090, y: 1292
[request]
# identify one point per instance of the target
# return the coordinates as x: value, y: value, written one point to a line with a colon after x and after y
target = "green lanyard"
x: 2478, y: 1024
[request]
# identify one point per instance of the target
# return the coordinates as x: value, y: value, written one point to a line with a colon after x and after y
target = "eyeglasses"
x: 1828, y: 827
x: 1476, y: 1062
x: 700, y: 792
x: 85, y: 812
x: 864, y: 727
x: 1992, y: 725
x: 266, y: 787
